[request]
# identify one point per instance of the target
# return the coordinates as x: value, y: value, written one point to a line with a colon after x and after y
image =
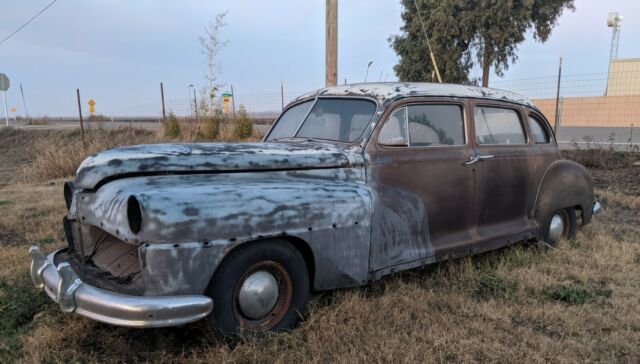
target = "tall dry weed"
x: 59, y: 156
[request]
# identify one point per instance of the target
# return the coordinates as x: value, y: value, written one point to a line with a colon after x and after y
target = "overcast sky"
x: 117, y: 52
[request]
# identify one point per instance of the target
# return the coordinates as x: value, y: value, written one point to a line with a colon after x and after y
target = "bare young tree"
x: 211, y: 45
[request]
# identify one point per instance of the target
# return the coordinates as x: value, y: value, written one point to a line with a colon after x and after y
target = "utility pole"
x: 557, y: 121
x: 282, y: 94
x: 331, y: 47
x: 164, y: 116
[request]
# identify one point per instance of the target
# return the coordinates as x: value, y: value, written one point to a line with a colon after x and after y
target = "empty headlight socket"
x: 134, y: 214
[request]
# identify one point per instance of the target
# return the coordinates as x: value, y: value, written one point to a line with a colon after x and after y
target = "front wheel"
x: 263, y: 286
x: 560, y: 224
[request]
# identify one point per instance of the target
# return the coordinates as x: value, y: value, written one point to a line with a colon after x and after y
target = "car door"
x: 505, y: 168
x: 423, y: 194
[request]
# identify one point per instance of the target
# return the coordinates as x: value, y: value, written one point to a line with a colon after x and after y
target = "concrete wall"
x: 593, y: 111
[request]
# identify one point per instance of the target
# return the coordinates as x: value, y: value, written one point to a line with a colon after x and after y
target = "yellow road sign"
x: 92, y: 104
x: 13, y: 109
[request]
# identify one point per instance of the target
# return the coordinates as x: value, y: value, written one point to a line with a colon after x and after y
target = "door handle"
x: 472, y: 160
x: 476, y: 158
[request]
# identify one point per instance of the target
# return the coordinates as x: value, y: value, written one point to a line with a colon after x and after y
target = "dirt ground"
x: 579, y: 302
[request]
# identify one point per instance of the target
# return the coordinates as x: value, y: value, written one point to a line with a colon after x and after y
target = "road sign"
x: 4, y: 82
x: 226, y: 98
x: 92, y: 104
x: 13, y: 109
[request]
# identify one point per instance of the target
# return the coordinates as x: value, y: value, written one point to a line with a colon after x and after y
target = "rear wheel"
x: 263, y: 286
x: 560, y: 224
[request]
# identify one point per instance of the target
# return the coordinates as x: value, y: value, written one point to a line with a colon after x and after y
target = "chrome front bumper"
x: 65, y: 287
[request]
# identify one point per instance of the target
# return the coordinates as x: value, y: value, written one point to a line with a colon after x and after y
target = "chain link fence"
x: 589, y: 109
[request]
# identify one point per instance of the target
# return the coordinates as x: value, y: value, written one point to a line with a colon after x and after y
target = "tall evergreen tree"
x: 458, y: 29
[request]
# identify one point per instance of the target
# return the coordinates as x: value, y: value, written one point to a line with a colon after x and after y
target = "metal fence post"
x: 557, y: 121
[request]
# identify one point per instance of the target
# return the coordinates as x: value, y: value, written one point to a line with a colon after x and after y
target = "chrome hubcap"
x: 556, y: 228
x: 258, y: 295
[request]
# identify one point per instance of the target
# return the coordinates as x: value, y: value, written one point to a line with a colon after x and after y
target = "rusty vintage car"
x: 351, y: 183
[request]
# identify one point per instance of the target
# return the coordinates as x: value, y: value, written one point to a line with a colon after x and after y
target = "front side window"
x: 495, y: 125
x: 435, y: 125
x: 538, y: 132
x: 394, y: 131
x: 335, y: 119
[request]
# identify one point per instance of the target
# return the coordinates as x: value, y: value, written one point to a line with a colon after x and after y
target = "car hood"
x: 157, y: 159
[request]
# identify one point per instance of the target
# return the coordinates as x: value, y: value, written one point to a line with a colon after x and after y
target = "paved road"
x: 619, y: 138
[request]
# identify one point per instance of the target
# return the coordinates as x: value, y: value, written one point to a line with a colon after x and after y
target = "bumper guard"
x: 66, y: 288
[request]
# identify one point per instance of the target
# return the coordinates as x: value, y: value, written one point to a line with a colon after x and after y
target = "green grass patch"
x: 492, y: 286
x: 575, y: 294
x: 45, y: 241
x: 18, y: 305
x: 5, y: 202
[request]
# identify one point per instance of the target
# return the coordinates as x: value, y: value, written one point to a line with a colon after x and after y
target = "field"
x: 577, y: 302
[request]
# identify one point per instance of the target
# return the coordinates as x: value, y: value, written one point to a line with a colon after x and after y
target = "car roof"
x: 387, y: 92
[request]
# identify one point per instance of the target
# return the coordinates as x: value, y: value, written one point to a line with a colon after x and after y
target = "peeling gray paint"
x: 387, y: 92
x: 206, y: 158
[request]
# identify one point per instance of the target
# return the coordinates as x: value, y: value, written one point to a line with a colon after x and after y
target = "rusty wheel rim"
x: 281, y: 305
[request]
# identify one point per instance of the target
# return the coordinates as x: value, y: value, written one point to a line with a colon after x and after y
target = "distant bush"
x: 243, y: 124
x: 97, y: 117
x: 38, y: 121
x: 172, y: 127
x: 210, y: 125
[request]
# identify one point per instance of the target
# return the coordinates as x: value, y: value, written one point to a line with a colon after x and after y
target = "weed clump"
x: 575, y: 294
x: 490, y: 285
x: 172, y: 127
x: 210, y: 125
x: 243, y: 124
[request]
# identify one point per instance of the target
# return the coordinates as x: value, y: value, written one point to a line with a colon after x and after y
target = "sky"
x: 117, y: 52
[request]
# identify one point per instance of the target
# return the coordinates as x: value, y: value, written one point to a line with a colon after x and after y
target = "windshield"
x: 342, y: 120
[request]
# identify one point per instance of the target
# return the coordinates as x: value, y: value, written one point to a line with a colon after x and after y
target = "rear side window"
x: 435, y: 125
x: 539, y: 133
x: 424, y: 126
x: 495, y: 125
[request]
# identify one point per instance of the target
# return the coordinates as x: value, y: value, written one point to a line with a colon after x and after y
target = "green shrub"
x: 575, y: 294
x: 490, y: 285
x: 243, y: 124
x: 210, y: 125
x: 171, y: 127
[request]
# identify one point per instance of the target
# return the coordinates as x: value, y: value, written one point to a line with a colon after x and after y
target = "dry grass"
x: 58, y: 154
x: 576, y: 303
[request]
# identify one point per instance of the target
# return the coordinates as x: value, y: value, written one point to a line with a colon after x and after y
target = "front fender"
x: 565, y: 184
x: 328, y: 209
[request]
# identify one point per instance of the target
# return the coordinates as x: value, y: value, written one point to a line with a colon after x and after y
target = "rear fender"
x: 565, y: 184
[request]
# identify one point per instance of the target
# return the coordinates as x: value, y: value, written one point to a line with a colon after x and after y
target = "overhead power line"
x: 28, y: 21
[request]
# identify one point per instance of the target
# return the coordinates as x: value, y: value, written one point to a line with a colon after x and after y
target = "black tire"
x: 568, y: 215
x: 285, y: 263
